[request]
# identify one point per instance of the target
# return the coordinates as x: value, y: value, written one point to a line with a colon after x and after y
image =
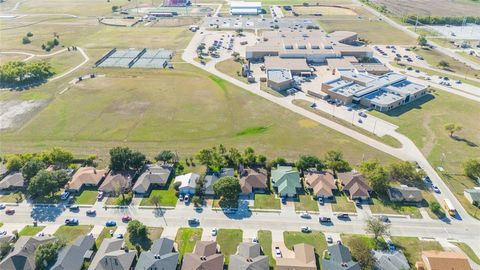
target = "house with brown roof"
x: 117, y: 180
x: 321, y: 183
x: 85, y: 176
x: 205, y: 256
x: 304, y: 259
x: 355, y: 185
x: 12, y: 181
x: 405, y: 194
x: 443, y: 260
x: 248, y: 257
x: 253, y: 180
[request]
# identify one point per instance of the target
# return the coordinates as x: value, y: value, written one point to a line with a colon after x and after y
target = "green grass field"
x: 144, y: 243
x: 104, y: 234
x: 266, y: 201
x: 424, y: 121
x: 388, y: 207
x: 412, y: 247
x: 341, y: 204
x: 315, y: 239
x: 265, y: 241
x: 12, y: 197
x: 232, y: 69
x: 167, y: 198
x: 306, y: 203
x: 30, y: 230
x: 86, y: 197
x: 228, y: 240
x: 186, y: 239
x: 368, y: 240
x: 69, y: 234
x: 433, y: 58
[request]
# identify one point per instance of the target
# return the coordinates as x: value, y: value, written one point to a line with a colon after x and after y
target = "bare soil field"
x: 432, y: 7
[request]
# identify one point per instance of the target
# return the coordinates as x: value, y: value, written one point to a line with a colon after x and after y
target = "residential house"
x: 355, y: 185
x: 22, y: 257
x: 473, y: 195
x: 253, y: 181
x: 12, y: 181
x: 321, y: 183
x: 387, y: 260
x: 405, y: 194
x: 161, y: 256
x: 113, y: 256
x: 248, y: 258
x: 442, y: 260
x: 85, y: 176
x: 154, y: 174
x: 304, y: 259
x: 205, y: 256
x: 286, y: 180
x: 117, y: 180
x: 72, y: 256
x: 188, y: 182
x: 339, y: 259
x: 212, y: 177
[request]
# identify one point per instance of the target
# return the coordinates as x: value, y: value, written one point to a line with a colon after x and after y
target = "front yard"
x: 12, y: 197
x: 468, y: 251
x: 69, y: 234
x: 86, y: 197
x: 228, y: 240
x: 144, y: 243
x: 120, y: 200
x: 168, y: 197
x: 341, y: 204
x: 306, y: 203
x: 105, y: 233
x: 368, y: 240
x: 412, y: 247
x: 315, y: 239
x: 395, y: 208
x: 265, y: 240
x: 30, y: 230
x: 186, y: 240
x: 266, y: 201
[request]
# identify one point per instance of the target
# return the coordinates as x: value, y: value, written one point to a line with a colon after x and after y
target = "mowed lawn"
x: 168, y: 197
x: 424, y: 121
x: 228, y: 240
x: 154, y: 233
x: 395, y: 208
x: 184, y: 109
x: 306, y: 203
x: 266, y: 201
x: 30, y: 230
x: 232, y: 69
x: 265, y: 241
x: 69, y: 234
x: 341, y: 204
x: 186, y: 239
x: 412, y: 247
x: 86, y: 197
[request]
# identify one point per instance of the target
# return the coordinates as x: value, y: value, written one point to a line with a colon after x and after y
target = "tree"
x: 29, y: 34
x: 377, y: 228
x: 212, y: 158
x: 5, y: 248
x: 18, y: 72
x: 362, y: 253
x: 471, y: 168
x: 119, y: 158
x: 14, y: 163
x: 422, y: 40
x: 376, y: 176
x: 26, y: 40
x: 165, y: 156
x: 262, y: 160
x: 31, y: 168
x: 308, y: 162
x: 137, y: 160
x: 278, y: 161
x: 435, y: 207
x: 452, y: 128
x: 334, y: 161
x: 405, y: 173
x: 233, y: 157
x: 443, y: 64
x: 249, y: 157
x: 59, y: 157
x: 44, y: 183
x: 227, y: 188
x: 46, y: 254
x: 201, y: 47
x: 155, y: 200
x: 137, y: 230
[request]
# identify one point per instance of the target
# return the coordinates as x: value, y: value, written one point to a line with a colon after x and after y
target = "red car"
x: 126, y: 218
x: 10, y: 211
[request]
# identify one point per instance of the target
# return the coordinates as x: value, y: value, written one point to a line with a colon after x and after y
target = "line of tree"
x: 471, y: 168
x: 216, y: 158
x: 19, y: 72
x: 440, y: 20
x: 123, y: 158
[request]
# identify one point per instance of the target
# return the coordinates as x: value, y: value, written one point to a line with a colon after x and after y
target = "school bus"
x: 448, y: 206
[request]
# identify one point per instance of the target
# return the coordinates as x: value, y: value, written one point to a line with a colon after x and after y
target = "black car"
x: 324, y: 220
x: 343, y: 216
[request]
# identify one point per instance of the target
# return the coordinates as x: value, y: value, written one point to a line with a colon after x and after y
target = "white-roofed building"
x: 245, y: 8
x: 188, y: 182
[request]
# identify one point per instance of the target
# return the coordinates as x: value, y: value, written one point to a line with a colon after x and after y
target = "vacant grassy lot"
x: 341, y: 204
x: 228, y: 239
x: 315, y: 239
x: 424, y: 122
x: 412, y: 247
x: 388, y: 207
x: 431, y: 7
x: 145, y: 243
x: 232, y: 69
x: 373, y: 31
x: 168, y: 197
x: 265, y: 241
x: 30, y: 230
x: 69, y: 234
x: 86, y: 197
x: 306, y: 203
x: 186, y: 239
x: 434, y: 57
x: 468, y: 251
x: 104, y: 234
x: 266, y: 201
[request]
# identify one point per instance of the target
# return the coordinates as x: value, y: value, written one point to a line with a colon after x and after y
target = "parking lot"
x: 388, y: 53
x: 257, y: 23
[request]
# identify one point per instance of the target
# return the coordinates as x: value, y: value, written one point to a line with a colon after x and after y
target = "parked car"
x: 2, y: 206
x: 71, y: 221
x: 193, y: 221
x: 305, y: 215
x: 40, y: 234
x: 74, y: 208
x: 91, y: 212
x: 284, y: 200
x: 305, y: 229
x: 3, y: 232
x: 65, y: 196
x: 278, y: 252
x: 384, y: 219
x: 10, y: 211
x: 186, y: 198
x: 110, y: 223
x: 320, y: 200
x: 100, y: 195
x: 214, y: 232
x: 126, y: 218
x: 324, y: 220
x: 390, y: 244
x: 427, y: 179
x: 436, y: 189
x: 343, y: 216
x: 255, y: 240
x: 358, y: 203
x: 329, y: 240
x: 119, y: 236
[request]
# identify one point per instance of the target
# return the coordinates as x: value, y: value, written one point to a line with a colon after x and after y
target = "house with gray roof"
x: 154, y: 174
x: 22, y: 257
x: 405, y: 194
x: 248, y: 257
x: 473, y: 195
x: 161, y: 256
x: 72, y: 256
x: 387, y: 260
x: 188, y: 183
x: 205, y: 256
x: 339, y: 259
x: 286, y: 180
x: 212, y: 177
x: 13, y: 180
x: 112, y: 255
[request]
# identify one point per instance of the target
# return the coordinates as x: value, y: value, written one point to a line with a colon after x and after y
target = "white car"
x: 2, y: 206
x: 3, y: 232
x: 305, y: 229
x: 214, y: 232
x: 255, y: 240
x: 278, y: 253
x: 436, y: 189
x: 305, y: 215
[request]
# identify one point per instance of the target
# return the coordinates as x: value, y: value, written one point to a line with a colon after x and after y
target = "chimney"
x: 94, y: 170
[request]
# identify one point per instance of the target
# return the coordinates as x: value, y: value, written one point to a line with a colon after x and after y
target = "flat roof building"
x: 245, y: 8
x: 279, y: 79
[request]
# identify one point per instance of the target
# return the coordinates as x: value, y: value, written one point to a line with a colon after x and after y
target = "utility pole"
x: 416, y: 23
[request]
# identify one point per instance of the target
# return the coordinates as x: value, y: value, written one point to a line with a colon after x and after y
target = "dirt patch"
x: 431, y: 7
x: 176, y: 21
x: 15, y: 112
x: 134, y: 107
x: 325, y: 10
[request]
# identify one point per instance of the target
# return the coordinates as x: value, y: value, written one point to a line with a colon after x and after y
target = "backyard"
x: 186, y: 239
x: 228, y: 240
